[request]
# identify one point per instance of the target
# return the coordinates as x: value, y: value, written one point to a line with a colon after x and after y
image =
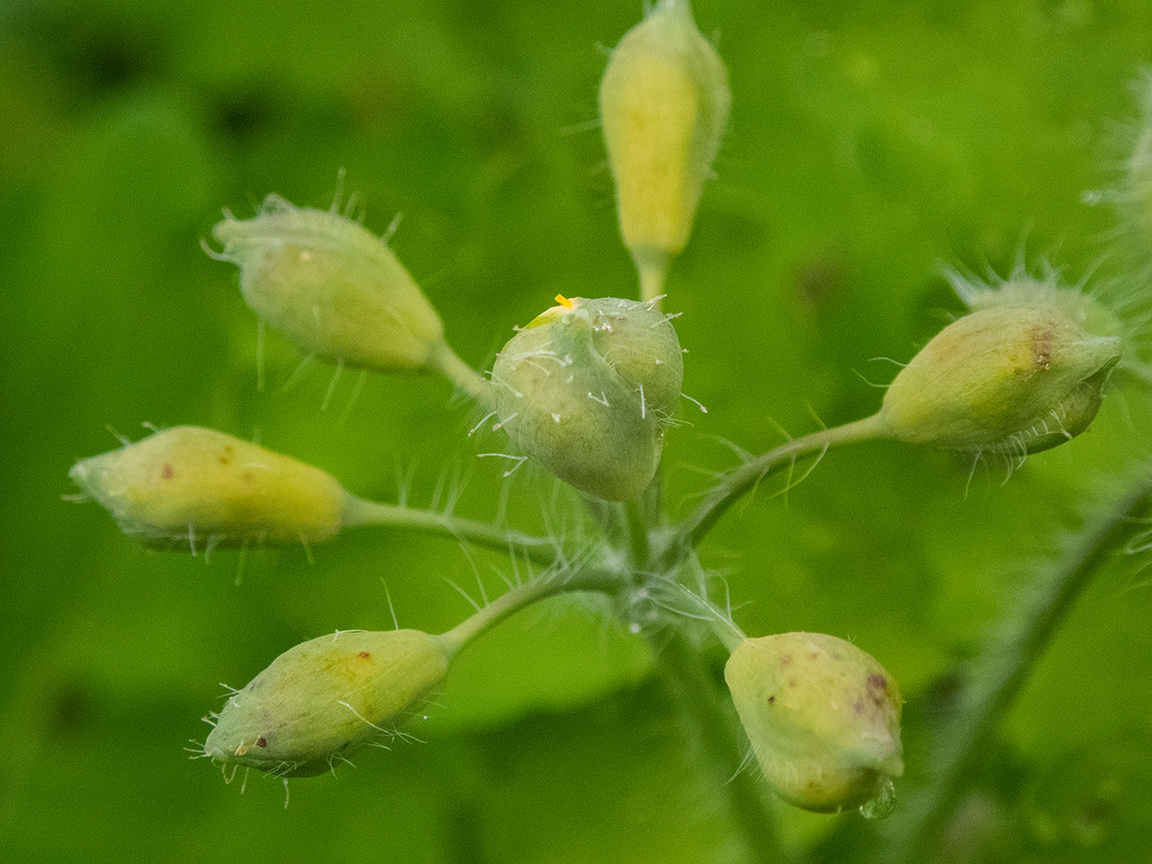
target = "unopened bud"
x: 1005, y: 378
x: 331, y: 286
x: 324, y: 698
x: 823, y: 718
x: 664, y: 104
x: 189, y: 482
x: 587, y: 388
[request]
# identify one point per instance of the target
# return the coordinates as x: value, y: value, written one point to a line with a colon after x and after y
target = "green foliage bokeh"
x: 870, y: 143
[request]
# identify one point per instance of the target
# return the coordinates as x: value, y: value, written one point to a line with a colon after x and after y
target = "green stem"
x: 360, y: 511
x: 638, y: 534
x: 523, y: 596
x: 445, y: 361
x: 718, y: 739
x: 1002, y: 669
x: 652, y: 268
x: 698, y: 523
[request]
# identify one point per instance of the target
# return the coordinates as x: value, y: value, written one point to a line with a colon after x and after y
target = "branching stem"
x: 739, y: 481
x: 523, y: 596
x: 539, y: 550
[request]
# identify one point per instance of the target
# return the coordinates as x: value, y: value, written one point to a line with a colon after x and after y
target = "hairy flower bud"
x: 587, y: 388
x: 664, y: 104
x: 189, y: 482
x: 1009, y: 377
x: 331, y: 286
x: 324, y: 698
x: 823, y: 718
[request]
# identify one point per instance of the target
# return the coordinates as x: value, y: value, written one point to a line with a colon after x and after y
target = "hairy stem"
x: 539, y: 550
x: 523, y: 596
x: 637, y: 522
x: 445, y: 361
x: 719, y: 742
x: 739, y: 481
x: 998, y: 675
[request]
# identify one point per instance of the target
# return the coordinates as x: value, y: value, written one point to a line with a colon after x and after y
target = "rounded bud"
x: 1007, y: 377
x: 331, y: 286
x: 326, y: 697
x: 189, y: 482
x: 587, y: 389
x: 823, y: 718
x: 664, y: 103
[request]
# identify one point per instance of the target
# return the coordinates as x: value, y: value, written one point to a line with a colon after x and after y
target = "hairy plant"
x: 588, y: 393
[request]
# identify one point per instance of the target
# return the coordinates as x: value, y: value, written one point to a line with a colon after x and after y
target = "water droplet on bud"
x: 880, y: 805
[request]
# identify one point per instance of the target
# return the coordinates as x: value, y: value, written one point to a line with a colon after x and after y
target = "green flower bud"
x: 587, y: 389
x: 664, y: 103
x: 1009, y: 377
x: 332, y: 287
x: 190, y: 482
x: 324, y: 698
x: 823, y: 718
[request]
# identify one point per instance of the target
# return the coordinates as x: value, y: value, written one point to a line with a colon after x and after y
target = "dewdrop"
x: 823, y: 718
x: 664, y: 104
x: 587, y: 389
x: 323, y: 699
x: 332, y: 287
x: 188, y: 482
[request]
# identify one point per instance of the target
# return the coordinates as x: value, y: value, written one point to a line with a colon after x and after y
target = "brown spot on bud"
x: 167, y: 472
x: 1042, y: 348
x: 261, y: 742
x: 364, y: 654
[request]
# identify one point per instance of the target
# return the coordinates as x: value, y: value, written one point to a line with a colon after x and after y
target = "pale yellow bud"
x: 326, y: 697
x: 823, y: 718
x: 188, y: 482
x: 332, y: 287
x: 1005, y: 378
x: 664, y: 103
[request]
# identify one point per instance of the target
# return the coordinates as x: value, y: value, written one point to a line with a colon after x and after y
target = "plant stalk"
x: 998, y: 675
x: 739, y: 481
x: 361, y: 511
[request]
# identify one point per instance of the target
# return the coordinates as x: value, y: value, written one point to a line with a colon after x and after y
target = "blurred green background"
x: 870, y: 143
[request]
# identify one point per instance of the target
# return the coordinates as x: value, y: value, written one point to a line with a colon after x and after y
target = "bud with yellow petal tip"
x: 324, y: 698
x: 1009, y: 377
x: 664, y: 103
x: 190, y: 482
x: 587, y: 388
x: 332, y: 287
x: 823, y: 718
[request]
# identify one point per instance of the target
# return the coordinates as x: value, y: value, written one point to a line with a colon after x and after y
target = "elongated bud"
x: 664, y: 104
x: 587, y: 389
x: 1009, y: 377
x: 189, y: 482
x: 326, y: 697
x: 332, y: 287
x: 823, y: 718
